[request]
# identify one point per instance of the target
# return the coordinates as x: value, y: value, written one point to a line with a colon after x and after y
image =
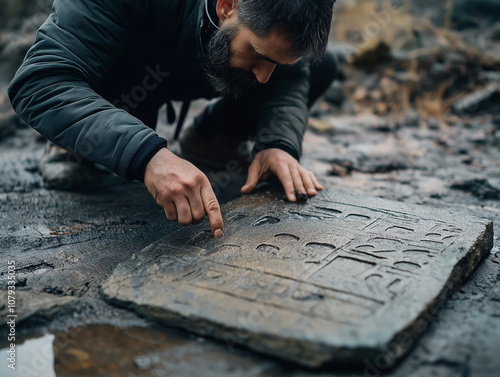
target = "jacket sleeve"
x: 52, y: 90
x: 282, y: 110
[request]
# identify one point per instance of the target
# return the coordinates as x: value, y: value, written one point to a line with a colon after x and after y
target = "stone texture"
x: 495, y: 292
x: 36, y: 305
x: 342, y: 278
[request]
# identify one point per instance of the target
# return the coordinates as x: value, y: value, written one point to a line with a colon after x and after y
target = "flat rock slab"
x: 341, y: 278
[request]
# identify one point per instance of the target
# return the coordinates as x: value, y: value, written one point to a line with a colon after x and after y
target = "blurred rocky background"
x: 421, y: 60
x: 19, y: 21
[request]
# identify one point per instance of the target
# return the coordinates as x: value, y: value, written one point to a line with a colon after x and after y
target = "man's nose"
x: 263, y: 71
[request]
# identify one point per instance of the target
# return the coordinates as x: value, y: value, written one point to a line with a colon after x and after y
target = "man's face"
x: 239, y: 60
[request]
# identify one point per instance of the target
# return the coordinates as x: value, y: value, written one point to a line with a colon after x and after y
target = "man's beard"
x: 225, y: 80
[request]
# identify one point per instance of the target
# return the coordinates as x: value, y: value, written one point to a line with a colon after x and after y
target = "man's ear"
x: 226, y: 9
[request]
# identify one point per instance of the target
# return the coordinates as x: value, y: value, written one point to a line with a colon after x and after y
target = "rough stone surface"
x: 35, y: 306
x: 343, y: 278
x: 495, y: 292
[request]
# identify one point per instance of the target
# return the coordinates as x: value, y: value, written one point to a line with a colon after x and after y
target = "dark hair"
x: 305, y: 23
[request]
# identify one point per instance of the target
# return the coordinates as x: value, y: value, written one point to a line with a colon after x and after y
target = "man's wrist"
x: 284, y: 146
x: 144, y: 154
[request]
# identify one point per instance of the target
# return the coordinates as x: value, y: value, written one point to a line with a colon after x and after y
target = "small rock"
x: 301, y: 196
x: 389, y: 87
x: 466, y: 22
x: 496, y: 121
x: 478, y: 100
x: 410, y: 119
x: 37, y: 305
x: 9, y: 121
x: 321, y: 126
x: 381, y: 108
x: 359, y: 94
x: 371, y: 57
x: 457, y: 58
x: 63, y: 171
x: 376, y: 95
x: 495, y: 32
x: 495, y: 292
x: 341, y: 168
x: 438, y: 70
x: 467, y: 160
x: 381, y: 164
x: 480, y: 137
x: 480, y: 188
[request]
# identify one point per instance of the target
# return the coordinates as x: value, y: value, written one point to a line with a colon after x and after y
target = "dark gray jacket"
x: 87, y: 45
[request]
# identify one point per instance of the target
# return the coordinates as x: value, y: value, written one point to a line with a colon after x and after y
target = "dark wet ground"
x: 67, y: 244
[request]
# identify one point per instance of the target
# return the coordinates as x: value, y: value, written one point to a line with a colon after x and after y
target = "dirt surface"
x: 68, y: 243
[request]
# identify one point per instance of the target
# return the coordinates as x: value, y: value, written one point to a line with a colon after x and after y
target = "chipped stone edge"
x: 57, y: 306
x: 462, y: 269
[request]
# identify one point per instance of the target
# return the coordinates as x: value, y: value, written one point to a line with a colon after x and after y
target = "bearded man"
x: 99, y: 71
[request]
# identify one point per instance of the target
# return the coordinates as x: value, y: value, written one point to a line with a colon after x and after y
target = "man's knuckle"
x: 200, y: 177
x: 184, y: 222
x: 190, y: 184
x: 162, y: 197
x: 170, y: 215
x: 198, y: 216
x: 212, y: 205
x: 176, y: 190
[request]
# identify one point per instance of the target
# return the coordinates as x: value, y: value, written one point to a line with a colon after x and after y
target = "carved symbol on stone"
x: 396, y: 228
x: 200, y: 238
x: 237, y: 217
x: 271, y: 249
x: 287, y: 236
x: 407, y: 266
x: 228, y: 249
x: 357, y: 216
x: 307, y: 292
x: 266, y: 220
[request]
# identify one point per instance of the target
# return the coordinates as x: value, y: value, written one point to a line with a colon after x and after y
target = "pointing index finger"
x: 213, y: 211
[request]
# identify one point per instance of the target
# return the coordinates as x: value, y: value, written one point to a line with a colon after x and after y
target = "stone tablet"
x: 341, y: 278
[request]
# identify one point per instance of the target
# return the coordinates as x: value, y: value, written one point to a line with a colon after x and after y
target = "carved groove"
x: 399, y: 227
x: 266, y: 220
x: 321, y: 245
x: 355, y: 215
x: 287, y: 236
x: 329, y: 210
x: 271, y: 249
x: 407, y: 266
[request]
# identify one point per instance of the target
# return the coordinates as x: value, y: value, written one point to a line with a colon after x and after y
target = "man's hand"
x: 183, y: 191
x: 288, y: 170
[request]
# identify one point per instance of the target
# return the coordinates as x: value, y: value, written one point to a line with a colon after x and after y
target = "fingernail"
x: 218, y: 233
x: 291, y: 197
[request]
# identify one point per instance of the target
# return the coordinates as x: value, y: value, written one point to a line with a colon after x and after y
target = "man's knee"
x: 323, y: 73
x: 326, y: 69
